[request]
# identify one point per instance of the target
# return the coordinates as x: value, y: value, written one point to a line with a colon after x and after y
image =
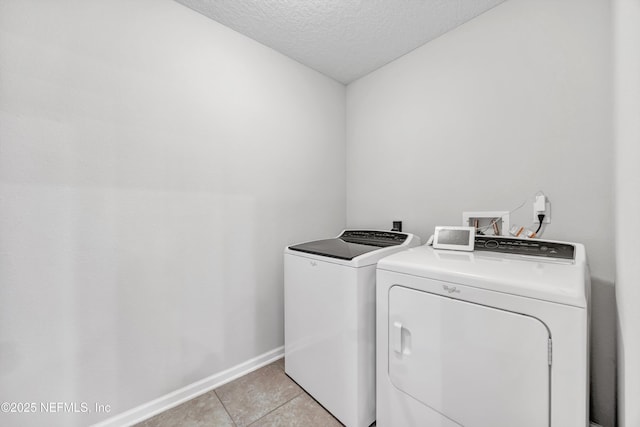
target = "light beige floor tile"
x: 280, y: 363
x: 302, y: 411
x: 252, y: 396
x: 202, y: 411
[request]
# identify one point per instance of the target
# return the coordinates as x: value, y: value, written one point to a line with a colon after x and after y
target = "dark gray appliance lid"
x: 351, y: 243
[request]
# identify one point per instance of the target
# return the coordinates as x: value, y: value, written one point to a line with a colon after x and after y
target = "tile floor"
x: 262, y: 398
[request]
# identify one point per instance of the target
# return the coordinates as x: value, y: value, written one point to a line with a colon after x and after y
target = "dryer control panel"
x: 539, y: 248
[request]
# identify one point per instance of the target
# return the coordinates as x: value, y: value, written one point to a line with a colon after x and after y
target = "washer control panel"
x: 374, y: 237
x: 539, y: 248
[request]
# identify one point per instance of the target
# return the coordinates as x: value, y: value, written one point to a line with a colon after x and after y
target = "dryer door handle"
x: 400, y: 339
x: 396, y: 337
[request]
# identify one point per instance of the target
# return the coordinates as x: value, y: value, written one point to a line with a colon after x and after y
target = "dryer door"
x: 476, y: 365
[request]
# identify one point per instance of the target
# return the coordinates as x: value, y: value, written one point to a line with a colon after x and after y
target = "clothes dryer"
x: 497, y: 337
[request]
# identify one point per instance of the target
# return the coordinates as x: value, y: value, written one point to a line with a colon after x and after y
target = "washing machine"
x: 497, y: 337
x: 329, y: 291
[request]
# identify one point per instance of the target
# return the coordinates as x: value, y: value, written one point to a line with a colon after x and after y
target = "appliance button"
x: 491, y: 244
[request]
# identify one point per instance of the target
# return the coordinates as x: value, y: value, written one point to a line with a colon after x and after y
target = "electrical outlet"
x: 547, y: 213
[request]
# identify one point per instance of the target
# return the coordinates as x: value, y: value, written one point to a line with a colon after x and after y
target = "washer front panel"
x: 330, y: 335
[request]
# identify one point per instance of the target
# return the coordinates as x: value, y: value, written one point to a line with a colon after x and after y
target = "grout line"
x: 279, y: 406
x: 325, y: 409
x: 276, y: 408
x: 224, y: 407
x: 279, y: 368
x: 300, y: 392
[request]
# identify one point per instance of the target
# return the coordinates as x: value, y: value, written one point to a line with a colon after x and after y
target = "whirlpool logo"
x: 451, y: 289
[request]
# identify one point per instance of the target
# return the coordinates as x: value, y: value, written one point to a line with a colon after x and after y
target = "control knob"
x: 491, y: 244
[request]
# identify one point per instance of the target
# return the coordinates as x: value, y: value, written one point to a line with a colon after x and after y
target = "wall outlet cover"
x: 547, y: 214
x: 485, y: 218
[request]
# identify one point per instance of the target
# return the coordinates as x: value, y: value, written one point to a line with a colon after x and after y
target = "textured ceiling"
x: 344, y: 39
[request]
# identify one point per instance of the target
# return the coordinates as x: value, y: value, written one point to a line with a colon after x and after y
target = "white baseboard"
x: 154, y: 407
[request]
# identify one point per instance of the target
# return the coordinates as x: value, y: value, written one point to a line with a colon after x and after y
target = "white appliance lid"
x: 553, y: 280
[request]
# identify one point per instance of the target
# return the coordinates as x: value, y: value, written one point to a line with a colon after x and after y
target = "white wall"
x: 515, y: 101
x: 626, y: 17
x: 153, y: 165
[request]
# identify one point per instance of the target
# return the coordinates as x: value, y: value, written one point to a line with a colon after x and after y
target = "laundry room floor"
x: 265, y: 397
